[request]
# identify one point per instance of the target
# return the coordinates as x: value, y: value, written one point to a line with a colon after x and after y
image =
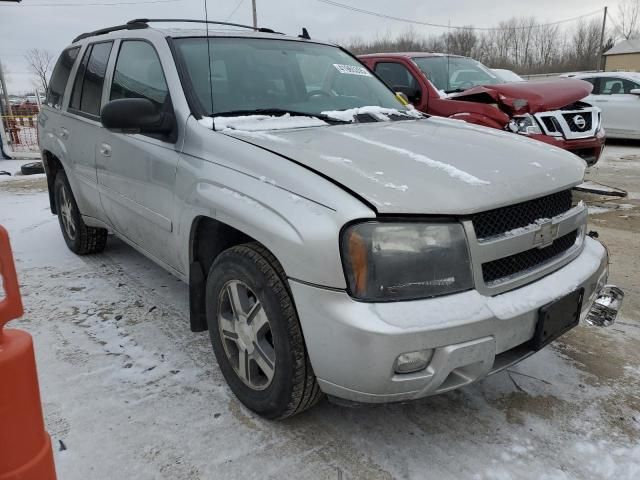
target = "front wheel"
x: 256, y: 335
x: 80, y: 238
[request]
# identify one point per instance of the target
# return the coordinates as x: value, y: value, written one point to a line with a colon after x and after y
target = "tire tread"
x: 306, y: 391
x: 90, y: 239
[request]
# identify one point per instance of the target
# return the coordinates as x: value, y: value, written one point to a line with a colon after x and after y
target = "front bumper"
x: 589, y: 149
x: 353, y: 345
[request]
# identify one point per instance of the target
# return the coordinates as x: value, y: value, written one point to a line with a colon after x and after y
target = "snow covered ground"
x: 129, y: 392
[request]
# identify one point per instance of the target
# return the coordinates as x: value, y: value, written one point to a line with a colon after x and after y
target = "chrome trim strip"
x: 596, y: 119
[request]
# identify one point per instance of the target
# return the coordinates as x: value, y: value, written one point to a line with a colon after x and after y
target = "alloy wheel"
x: 246, y: 335
x: 65, y: 213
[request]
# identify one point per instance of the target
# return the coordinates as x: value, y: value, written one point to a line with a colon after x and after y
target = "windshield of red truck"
x: 455, y: 74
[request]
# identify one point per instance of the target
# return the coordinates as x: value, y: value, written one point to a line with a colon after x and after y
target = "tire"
x: 32, y: 168
x: 257, y: 276
x: 80, y: 238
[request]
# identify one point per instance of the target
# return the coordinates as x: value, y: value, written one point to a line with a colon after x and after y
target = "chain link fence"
x: 19, y: 125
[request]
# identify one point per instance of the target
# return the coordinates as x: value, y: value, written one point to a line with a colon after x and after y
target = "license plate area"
x: 557, y: 317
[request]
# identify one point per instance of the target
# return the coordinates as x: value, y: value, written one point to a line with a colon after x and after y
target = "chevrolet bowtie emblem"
x: 545, y: 235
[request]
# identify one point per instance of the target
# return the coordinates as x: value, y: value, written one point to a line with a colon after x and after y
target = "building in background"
x: 624, y: 56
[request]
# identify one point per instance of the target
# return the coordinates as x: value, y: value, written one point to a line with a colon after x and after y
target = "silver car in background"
x: 617, y: 94
x: 333, y: 239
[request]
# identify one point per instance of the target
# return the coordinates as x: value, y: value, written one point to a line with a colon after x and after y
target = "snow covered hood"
x: 530, y: 97
x: 429, y: 166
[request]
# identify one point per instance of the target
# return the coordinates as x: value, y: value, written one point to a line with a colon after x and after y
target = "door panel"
x: 82, y: 124
x: 136, y: 172
x: 620, y: 109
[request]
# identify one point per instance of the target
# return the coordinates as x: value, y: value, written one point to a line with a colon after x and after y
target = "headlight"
x: 525, y: 124
x: 403, y: 261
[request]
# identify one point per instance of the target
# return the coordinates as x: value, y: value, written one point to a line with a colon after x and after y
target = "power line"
x: 455, y: 27
x: 99, y: 4
x: 234, y: 10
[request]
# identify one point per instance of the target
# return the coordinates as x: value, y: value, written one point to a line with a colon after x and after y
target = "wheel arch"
x: 52, y: 165
x: 208, y: 238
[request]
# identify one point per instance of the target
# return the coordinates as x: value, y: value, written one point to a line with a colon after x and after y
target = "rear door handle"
x: 105, y: 150
x: 64, y: 133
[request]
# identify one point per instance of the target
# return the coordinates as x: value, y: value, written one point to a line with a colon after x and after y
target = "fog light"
x: 605, y: 309
x: 413, y: 361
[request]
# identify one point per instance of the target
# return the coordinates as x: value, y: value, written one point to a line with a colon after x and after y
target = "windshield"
x: 250, y: 74
x: 507, y: 76
x: 455, y: 74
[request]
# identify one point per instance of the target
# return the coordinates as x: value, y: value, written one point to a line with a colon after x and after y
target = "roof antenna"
x: 305, y: 34
x: 206, y: 17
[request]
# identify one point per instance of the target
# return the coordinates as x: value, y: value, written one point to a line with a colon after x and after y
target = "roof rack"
x: 140, y: 23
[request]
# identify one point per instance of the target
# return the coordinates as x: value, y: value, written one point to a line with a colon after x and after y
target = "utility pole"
x: 255, y: 14
x: 5, y: 93
x: 604, y: 25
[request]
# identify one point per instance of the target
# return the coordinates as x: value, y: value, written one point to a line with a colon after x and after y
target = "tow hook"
x: 605, y: 308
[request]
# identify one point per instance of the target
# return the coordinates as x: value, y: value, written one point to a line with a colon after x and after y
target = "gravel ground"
x: 130, y: 392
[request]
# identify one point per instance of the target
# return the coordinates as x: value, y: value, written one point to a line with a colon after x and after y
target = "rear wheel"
x: 80, y: 238
x: 256, y: 335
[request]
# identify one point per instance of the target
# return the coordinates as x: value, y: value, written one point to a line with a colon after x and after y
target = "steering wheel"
x: 318, y: 93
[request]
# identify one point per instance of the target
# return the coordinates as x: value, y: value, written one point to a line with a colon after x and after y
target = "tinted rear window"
x: 91, y: 75
x: 60, y: 76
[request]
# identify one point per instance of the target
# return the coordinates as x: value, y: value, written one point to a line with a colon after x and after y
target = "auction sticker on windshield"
x: 352, y: 70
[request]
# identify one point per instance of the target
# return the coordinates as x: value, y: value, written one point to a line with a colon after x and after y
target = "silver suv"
x: 334, y: 240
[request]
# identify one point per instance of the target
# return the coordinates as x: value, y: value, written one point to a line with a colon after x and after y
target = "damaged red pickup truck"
x: 459, y: 87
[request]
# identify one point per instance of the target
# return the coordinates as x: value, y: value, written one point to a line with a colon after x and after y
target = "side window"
x: 594, y: 82
x: 86, y: 96
x: 76, y: 92
x: 60, y: 77
x: 139, y: 74
x: 396, y: 75
x: 614, y: 85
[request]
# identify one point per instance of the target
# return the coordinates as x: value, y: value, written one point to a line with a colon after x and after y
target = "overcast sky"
x: 25, y: 25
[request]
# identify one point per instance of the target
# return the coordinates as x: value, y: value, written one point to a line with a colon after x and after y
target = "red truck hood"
x: 529, y: 97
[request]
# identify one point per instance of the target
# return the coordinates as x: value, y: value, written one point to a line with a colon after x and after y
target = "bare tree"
x: 40, y: 63
x: 585, y: 45
x: 628, y: 24
x: 461, y: 41
x: 518, y: 44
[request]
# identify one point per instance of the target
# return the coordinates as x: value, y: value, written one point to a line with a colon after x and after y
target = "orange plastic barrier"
x: 25, y: 446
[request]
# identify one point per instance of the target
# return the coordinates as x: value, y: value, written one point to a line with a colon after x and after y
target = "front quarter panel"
x: 293, y: 211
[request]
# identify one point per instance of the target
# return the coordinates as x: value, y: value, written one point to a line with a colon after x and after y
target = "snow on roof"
x: 628, y: 46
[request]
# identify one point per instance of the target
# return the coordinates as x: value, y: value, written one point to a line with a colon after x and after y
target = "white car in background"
x: 617, y: 94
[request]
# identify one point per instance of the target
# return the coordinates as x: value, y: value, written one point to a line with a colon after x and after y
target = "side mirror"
x: 413, y: 94
x: 635, y: 91
x: 403, y: 97
x: 136, y: 115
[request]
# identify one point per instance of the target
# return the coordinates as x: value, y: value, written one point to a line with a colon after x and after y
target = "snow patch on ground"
x: 445, y: 167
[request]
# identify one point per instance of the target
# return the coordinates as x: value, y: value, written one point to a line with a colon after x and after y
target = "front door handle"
x: 105, y: 150
x: 64, y: 133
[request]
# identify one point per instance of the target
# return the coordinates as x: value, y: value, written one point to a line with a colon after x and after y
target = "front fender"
x: 302, y: 233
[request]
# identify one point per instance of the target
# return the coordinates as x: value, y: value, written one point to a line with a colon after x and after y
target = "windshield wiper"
x: 278, y: 112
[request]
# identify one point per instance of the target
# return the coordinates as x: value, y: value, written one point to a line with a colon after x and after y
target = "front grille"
x: 521, y: 262
x: 501, y: 220
x: 551, y: 124
x: 571, y: 121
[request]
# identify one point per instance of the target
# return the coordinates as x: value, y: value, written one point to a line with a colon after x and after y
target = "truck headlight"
x: 524, y: 124
x: 386, y: 261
